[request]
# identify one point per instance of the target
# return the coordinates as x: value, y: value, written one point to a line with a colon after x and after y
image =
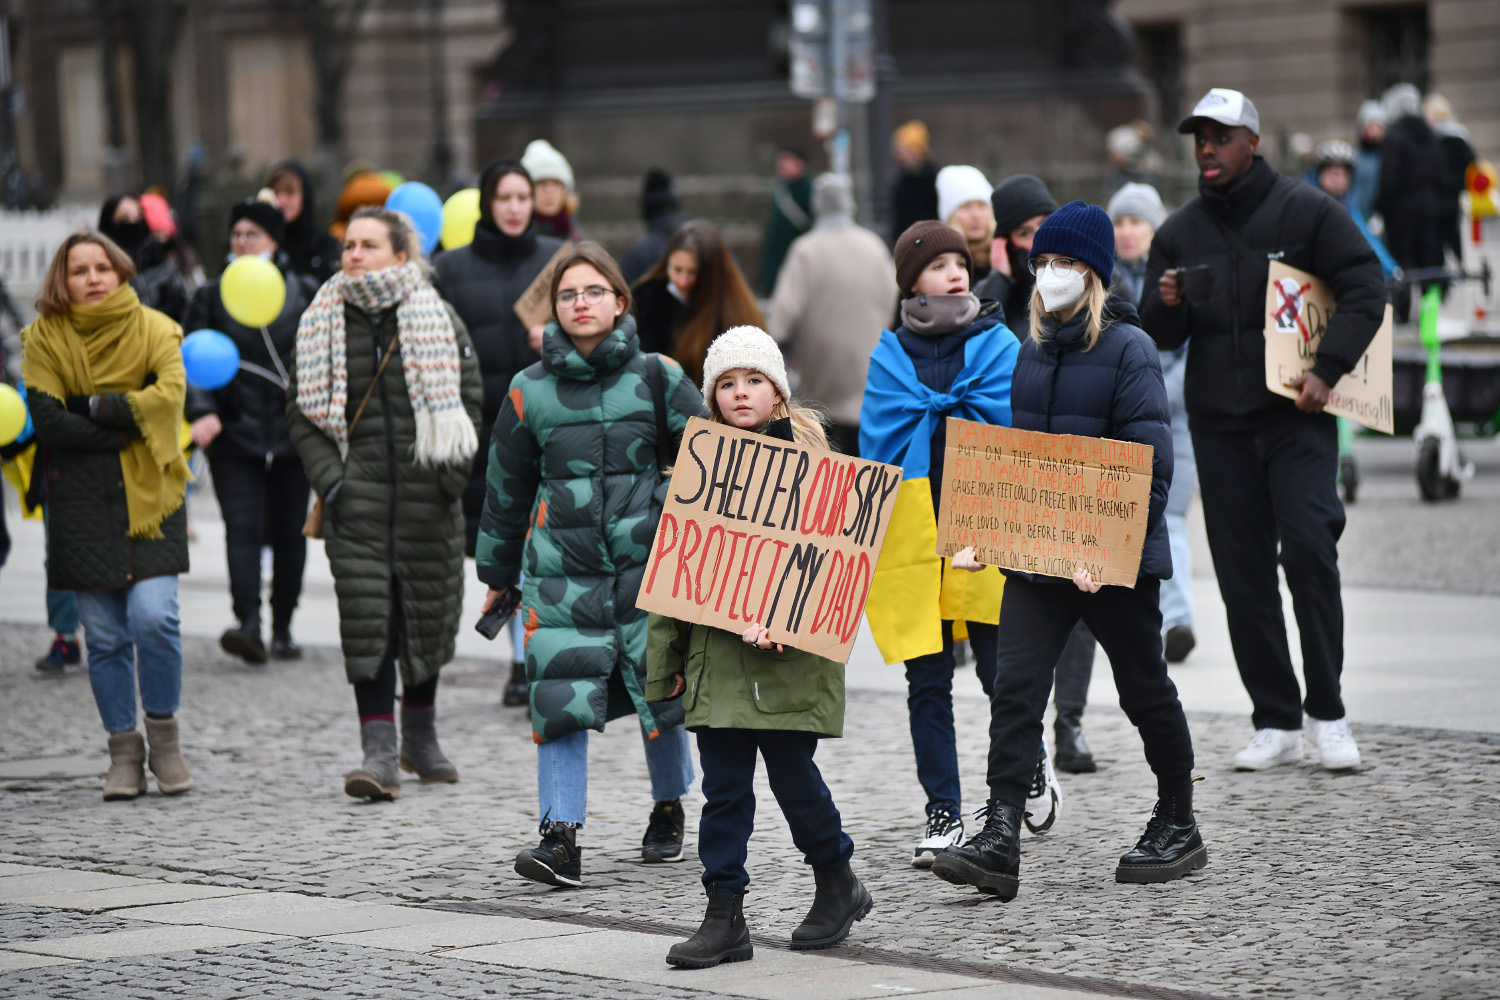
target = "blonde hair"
x: 809, y: 425
x: 401, y: 231
x: 1095, y: 296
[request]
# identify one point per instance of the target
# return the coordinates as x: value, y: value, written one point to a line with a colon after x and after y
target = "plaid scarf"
x: 429, y: 360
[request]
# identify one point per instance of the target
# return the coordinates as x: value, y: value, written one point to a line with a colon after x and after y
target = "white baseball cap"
x: 1225, y: 106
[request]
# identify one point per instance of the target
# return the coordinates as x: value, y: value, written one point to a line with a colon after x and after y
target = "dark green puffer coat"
x: 391, y: 519
x: 572, y: 497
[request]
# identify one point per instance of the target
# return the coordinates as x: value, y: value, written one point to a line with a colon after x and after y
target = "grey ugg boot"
x: 377, y: 778
x: 420, y: 752
x: 172, y: 777
x: 127, y: 766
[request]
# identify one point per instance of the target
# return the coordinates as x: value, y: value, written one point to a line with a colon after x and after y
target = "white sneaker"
x: 1336, y: 747
x: 1044, y: 800
x: 945, y: 829
x: 1269, y: 747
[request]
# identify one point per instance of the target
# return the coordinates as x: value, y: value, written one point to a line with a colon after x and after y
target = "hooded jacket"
x: 310, y: 249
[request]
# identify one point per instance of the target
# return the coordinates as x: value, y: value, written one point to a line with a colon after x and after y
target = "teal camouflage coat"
x: 572, y: 495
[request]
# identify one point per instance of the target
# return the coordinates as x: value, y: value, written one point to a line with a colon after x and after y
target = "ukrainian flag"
x: 913, y: 589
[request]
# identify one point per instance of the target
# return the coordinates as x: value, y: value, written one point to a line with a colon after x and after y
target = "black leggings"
x: 377, y: 699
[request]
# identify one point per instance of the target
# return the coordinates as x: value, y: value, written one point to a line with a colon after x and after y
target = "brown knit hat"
x: 921, y: 242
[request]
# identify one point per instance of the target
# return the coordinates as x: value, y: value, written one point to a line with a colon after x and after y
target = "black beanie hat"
x: 1079, y: 230
x: 657, y: 196
x: 921, y: 242
x: 267, y: 217
x: 1017, y: 199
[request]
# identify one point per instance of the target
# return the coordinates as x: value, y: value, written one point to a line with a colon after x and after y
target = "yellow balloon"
x: 460, y: 214
x: 12, y: 414
x: 253, y: 291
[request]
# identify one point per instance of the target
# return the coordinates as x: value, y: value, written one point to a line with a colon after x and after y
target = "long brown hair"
x: 720, y: 298
x: 54, y: 299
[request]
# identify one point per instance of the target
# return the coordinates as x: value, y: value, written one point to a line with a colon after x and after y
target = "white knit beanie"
x: 544, y: 163
x: 747, y: 347
x: 958, y: 186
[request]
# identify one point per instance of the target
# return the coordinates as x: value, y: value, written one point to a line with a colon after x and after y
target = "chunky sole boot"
x: 841, y: 900
x: 1165, y: 872
x: 127, y: 767
x: 722, y: 937
x: 1169, y: 849
x: 420, y: 753
x: 991, y: 860
x: 378, y: 778
x: 172, y: 776
x: 950, y: 867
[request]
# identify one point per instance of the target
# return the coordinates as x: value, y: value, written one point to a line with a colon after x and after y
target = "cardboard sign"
x: 534, y: 307
x: 1045, y: 503
x: 757, y: 529
x: 1298, y: 306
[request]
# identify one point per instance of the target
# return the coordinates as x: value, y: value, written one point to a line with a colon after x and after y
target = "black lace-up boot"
x: 1171, y: 846
x: 991, y: 860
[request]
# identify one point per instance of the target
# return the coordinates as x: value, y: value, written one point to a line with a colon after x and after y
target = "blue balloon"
x: 425, y: 209
x: 210, y: 359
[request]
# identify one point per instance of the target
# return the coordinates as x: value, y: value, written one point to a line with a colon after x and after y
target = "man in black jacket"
x: 1267, y: 464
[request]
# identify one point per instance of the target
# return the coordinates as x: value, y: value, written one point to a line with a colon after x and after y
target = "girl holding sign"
x: 742, y: 694
x: 1087, y: 369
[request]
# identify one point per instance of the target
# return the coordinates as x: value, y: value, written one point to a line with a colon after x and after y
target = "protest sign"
x: 534, y: 307
x: 1045, y: 503
x: 1298, y: 306
x: 759, y: 529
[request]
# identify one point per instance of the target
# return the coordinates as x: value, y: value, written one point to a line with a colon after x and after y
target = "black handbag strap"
x: 664, y: 456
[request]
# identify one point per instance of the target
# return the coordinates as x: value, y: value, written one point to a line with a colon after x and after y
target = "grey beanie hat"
x: 1140, y: 201
x: 832, y: 195
x: 1370, y: 113
x: 1402, y: 100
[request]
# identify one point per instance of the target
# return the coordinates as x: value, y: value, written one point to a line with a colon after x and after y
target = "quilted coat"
x: 392, y: 521
x: 573, y: 499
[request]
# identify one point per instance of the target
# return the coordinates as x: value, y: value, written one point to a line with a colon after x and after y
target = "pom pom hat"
x: 747, y: 347
x: 1081, y: 231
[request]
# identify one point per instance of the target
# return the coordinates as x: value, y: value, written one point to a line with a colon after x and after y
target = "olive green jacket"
x: 733, y: 685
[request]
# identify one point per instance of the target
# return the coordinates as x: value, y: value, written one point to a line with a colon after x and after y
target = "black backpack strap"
x: 664, y: 456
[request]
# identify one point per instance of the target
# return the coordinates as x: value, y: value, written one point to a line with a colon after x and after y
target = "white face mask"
x: 1059, y: 291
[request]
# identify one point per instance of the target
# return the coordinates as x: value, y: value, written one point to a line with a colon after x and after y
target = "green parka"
x: 391, y: 519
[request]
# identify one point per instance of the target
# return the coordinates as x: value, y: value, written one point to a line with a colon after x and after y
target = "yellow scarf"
x: 112, y: 347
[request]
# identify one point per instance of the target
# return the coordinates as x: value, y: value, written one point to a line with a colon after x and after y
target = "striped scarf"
x: 429, y: 360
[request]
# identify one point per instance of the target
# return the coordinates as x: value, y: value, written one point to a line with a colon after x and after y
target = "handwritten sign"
x: 1298, y: 307
x: 534, y: 307
x: 1045, y: 503
x: 758, y: 529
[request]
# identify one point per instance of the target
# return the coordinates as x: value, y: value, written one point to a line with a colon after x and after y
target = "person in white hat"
x: 964, y: 205
x: 556, y: 203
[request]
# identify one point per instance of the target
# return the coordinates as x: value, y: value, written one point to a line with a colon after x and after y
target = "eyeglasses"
x: 1059, y: 265
x: 246, y: 235
x: 593, y: 295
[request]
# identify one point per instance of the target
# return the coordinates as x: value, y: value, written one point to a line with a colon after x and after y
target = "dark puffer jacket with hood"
x: 310, y: 249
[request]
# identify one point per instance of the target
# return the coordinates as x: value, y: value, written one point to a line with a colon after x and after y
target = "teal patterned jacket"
x: 572, y: 496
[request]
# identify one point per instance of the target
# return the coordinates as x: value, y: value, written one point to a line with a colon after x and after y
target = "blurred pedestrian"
x: 309, y: 248
x: 242, y: 427
x: 693, y: 294
x: 1131, y: 158
x: 1458, y: 154
x: 1267, y: 465
x: 964, y: 205
x: 362, y: 190
x: 1411, y: 187
x: 389, y: 449
x: 574, y: 496
x: 790, y: 216
x: 745, y: 696
x: 835, y: 293
x: 1371, y: 124
x: 1087, y: 369
x: 1334, y: 173
x: 105, y: 385
x: 159, y: 281
x: 1021, y: 204
x: 556, y: 208
x: 662, y: 213
x: 914, y: 194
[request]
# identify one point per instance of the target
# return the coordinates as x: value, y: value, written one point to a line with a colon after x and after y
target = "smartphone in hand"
x: 492, y: 621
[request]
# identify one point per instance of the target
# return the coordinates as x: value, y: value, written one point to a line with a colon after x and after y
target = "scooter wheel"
x: 1433, y: 485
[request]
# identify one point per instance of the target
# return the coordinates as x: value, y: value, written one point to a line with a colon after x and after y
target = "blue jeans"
x: 132, y: 626
x: 929, y: 707
x: 562, y: 772
x: 62, y: 606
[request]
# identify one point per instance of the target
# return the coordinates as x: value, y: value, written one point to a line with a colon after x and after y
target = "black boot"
x: 245, y: 642
x: 1171, y: 846
x: 1070, y: 753
x: 722, y: 937
x: 991, y: 860
x: 517, y: 691
x: 841, y: 899
x: 283, y: 646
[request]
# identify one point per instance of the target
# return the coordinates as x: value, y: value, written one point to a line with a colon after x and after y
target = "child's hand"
x: 964, y: 559
x: 1084, y: 581
x: 760, y: 637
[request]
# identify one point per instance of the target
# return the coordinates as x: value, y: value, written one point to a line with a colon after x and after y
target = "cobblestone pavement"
x: 1381, y: 883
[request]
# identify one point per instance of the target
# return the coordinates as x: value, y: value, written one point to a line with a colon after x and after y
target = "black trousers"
x: 727, y: 757
x: 1075, y: 668
x: 1268, y: 491
x: 263, y: 505
x: 1036, y: 621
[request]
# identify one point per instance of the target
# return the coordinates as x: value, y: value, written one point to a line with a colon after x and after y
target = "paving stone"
x: 458, y: 931
x: 148, y: 941
x: 120, y: 897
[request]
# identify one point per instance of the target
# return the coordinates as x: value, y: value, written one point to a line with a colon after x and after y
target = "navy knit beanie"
x: 1079, y: 230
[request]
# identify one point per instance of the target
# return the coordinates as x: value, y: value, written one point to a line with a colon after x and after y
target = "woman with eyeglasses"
x: 574, y: 494
x: 1087, y: 369
x: 258, y: 478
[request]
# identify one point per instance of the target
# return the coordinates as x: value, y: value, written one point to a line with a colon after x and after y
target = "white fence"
x: 27, y: 242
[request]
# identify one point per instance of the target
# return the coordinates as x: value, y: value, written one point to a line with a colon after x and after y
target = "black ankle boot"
x: 245, y: 642
x: 1170, y: 848
x: 1071, y: 754
x: 517, y: 691
x: 991, y: 860
x: 841, y: 899
x: 722, y: 937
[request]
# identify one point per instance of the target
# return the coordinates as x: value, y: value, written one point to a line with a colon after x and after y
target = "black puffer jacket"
x: 252, y: 408
x: 1279, y: 219
x: 657, y: 315
x: 482, y: 281
x: 1113, y: 391
x: 310, y: 249
x: 1411, y: 190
